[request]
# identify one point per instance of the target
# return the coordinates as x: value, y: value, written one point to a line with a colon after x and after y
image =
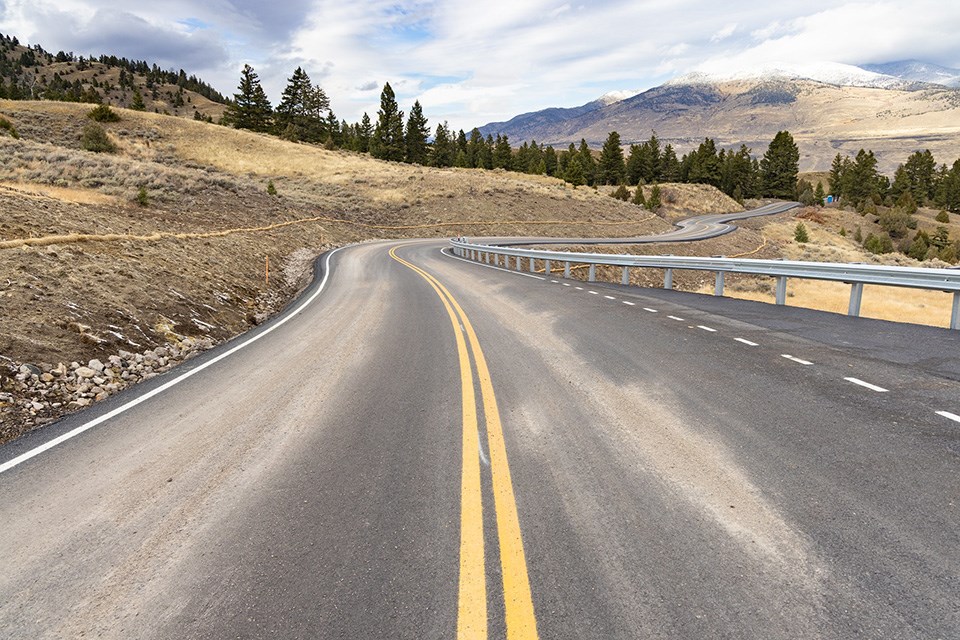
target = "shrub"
x: 6, y: 125
x: 621, y: 193
x: 638, y: 198
x: 95, y: 139
x: 103, y: 113
x: 896, y: 222
x: 271, y: 190
x: 943, y: 217
x: 878, y: 244
x: 143, y: 199
x: 843, y: 232
x: 800, y: 233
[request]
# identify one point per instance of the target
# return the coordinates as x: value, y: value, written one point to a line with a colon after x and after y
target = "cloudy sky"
x: 471, y: 62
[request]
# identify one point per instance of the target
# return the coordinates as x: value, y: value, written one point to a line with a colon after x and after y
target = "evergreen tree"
x: 388, y: 142
x: 299, y: 115
x: 653, y: 202
x: 837, y: 169
x: 250, y: 108
x: 611, y: 169
x: 587, y: 164
x: 779, y: 167
x: 920, y: 170
x: 705, y: 164
x: 669, y: 165
x: 736, y: 173
x: 860, y: 179
x: 364, y: 134
x: 550, y: 161
x: 638, y: 198
x: 573, y: 171
x: 819, y: 194
x: 137, y: 104
x: 443, y: 153
x: 800, y: 233
x: 417, y: 132
x: 502, y: 153
x: 948, y: 192
x: 633, y: 165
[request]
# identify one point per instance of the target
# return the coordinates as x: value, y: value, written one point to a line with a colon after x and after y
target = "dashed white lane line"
x: 566, y: 284
x: 650, y: 310
x: 555, y: 281
x: 609, y: 297
x: 628, y: 303
x: 872, y: 387
x: 677, y: 318
x: 593, y: 292
x: 705, y: 328
x: 747, y: 342
x: 795, y: 359
x: 579, y: 288
x: 949, y: 416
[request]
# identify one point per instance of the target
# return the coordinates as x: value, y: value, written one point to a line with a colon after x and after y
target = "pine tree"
x: 819, y: 194
x: 638, y: 198
x: 250, y: 108
x: 502, y: 153
x: 364, y: 134
x: 443, y: 152
x: 800, y: 233
x: 705, y: 164
x: 669, y: 165
x: 587, y: 164
x: 137, y: 104
x: 299, y: 114
x: 388, y: 142
x: 779, y: 167
x: 653, y: 202
x: 550, y: 161
x: 415, y: 136
x: 611, y: 169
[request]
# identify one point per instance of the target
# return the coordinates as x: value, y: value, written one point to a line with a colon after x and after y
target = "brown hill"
x: 824, y: 119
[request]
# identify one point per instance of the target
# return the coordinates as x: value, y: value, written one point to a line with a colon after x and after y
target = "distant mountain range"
x: 893, y: 109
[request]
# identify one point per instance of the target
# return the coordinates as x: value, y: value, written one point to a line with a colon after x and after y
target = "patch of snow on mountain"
x: 616, y: 96
x: 827, y: 72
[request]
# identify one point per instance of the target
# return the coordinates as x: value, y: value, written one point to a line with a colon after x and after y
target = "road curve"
x: 435, y: 449
x: 688, y: 230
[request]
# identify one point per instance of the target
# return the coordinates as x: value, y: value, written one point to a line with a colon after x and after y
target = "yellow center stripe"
x: 518, y: 603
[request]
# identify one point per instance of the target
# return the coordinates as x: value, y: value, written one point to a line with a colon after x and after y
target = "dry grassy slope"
x: 73, y: 301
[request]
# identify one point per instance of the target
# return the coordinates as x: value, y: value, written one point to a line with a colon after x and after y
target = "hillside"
x: 30, y: 72
x: 87, y: 273
x: 824, y: 118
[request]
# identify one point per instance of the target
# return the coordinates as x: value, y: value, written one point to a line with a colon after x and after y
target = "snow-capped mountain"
x: 916, y: 71
x: 835, y: 73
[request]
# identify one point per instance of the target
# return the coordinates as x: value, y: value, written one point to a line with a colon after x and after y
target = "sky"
x: 471, y: 62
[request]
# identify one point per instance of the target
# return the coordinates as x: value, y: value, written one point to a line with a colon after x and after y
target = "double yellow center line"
x: 472, y: 602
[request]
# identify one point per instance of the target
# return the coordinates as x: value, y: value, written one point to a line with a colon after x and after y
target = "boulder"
x: 85, y: 372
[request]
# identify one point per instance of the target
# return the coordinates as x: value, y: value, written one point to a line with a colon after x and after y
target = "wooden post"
x: 268, y: 271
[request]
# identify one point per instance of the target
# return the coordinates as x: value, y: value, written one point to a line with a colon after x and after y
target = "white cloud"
x: 472, y: 62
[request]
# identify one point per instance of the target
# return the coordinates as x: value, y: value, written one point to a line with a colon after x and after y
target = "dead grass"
x: 896, y: 304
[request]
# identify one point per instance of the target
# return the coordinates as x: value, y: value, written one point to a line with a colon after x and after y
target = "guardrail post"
x: 533, y: 268
x: 566, y: 269
x: 546, y: 267
x: 955, y: 316
x: 593, y: 273
x: 782, y: 290
x: 856, y: 295
x: 718, y: 288
x: 668, y: 278
x: 518, y: 263
x: 625, y: 277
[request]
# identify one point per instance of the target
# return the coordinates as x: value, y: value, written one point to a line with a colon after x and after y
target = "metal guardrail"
x: 856, y: 275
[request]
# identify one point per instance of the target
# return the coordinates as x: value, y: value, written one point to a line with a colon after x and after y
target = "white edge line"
x: 949, y: 416
x: 490, y: 266
x: 872, y: 387
x: 706, y: 328
x: 23, y: 457
x: 747, y: 342
x: 795, y: 359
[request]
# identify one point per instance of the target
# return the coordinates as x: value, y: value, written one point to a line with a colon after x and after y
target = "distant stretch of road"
x: 434, y: 448
x: 688, y: 230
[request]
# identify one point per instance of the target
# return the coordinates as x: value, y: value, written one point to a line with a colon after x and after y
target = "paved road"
x: 433, y: 447
x: 688, y: 230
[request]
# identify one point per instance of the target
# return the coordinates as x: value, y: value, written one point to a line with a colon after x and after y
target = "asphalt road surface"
x: 432, y: 448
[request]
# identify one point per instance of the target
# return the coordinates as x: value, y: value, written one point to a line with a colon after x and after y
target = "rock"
x: 60, y: 370
x: 103, y: 395
x: 99, y: 380
x: 81, y: 402
x: 46, y: 377
x: 37, y: 406
x: 85, y: 372
x: 96, y: 365
x: 30, y: 369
